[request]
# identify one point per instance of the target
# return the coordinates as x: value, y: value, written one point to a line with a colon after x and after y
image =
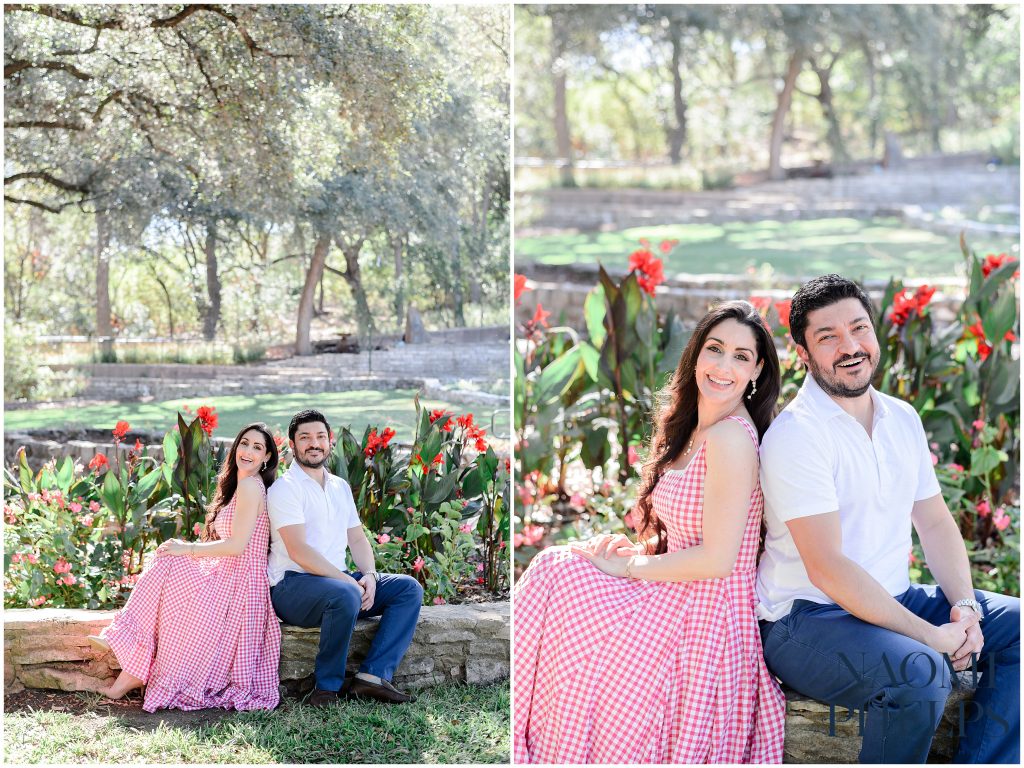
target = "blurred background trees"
x: 718, y: 91
x: 254, y: 174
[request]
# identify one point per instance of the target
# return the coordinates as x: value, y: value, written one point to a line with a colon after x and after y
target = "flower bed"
x: 77, y: 536
x: 582, y: 404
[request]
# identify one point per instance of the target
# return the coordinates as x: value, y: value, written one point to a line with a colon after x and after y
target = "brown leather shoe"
x: 319, y: 698
x: 382, y: 691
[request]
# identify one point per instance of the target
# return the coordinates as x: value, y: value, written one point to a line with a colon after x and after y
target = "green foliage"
x: 963, y: 378
x: 78, y: 537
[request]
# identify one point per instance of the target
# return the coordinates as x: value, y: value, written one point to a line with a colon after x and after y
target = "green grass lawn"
x: 449, y: 724
x: 876, y: 248
x: 391, y: 408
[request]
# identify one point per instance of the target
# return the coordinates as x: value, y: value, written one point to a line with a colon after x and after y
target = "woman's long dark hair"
x: 227, y: 480
x: 675, y: 410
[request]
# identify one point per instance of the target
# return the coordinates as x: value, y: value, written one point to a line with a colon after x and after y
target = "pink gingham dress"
x: 613, y: 670
x: 202, y: 632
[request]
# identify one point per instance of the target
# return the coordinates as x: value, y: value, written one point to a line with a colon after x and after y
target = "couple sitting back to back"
x: 665, y: 650
x: 201, y: 627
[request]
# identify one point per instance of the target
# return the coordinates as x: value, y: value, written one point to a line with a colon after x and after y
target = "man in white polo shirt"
x: 313, y: 520
x: 845, y: 472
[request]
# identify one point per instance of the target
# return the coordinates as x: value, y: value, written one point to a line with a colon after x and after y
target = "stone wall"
x: 808, y: 738
x: 47, y: 648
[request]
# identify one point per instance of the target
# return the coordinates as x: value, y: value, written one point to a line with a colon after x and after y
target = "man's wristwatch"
x: 970, y: 603
x: 376, y: 579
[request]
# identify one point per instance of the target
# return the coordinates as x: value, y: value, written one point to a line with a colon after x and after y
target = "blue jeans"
x: 306, y: 600
x: 902, y: 685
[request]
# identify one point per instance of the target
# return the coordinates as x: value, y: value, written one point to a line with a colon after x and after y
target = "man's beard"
x: 311, y: 464
x: 835, y: 388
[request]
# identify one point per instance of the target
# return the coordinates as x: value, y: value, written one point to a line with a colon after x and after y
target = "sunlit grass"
x: 356, y: 409
x: 871, y: 249
x: 449, y: 724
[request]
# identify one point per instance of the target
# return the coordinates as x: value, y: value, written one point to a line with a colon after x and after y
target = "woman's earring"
x: 264, y: 466
x: 753, y: 389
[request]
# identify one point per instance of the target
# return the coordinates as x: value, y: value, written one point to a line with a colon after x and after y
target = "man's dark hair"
x: 821, y: 292
x: 307, y: 416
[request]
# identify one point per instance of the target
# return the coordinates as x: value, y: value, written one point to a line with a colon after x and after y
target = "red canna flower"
x: 783, y: 308
x: 761, y: 303
x: 466, y: 421
x: 120, y: 430
x: 540, y: 317
x: 649, y: 269
x: 993, y: 262
x: 138, y: 445
x: 520, y: 287
x: 207, y: 418
x: 447, y: 425
x: 99, y: 461
x: 977, y: 332
x: 904, y: 303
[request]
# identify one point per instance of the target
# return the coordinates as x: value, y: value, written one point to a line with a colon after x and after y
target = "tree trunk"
x: 828, y: 110
x: 353, y: 276
x: 211, y: 317
x: 677, y: 134
x: 873, y: 101
x: 396, y: 249
x: 775, y: 170
x: 303, y: 344
x: 457, y: 298
x: 563, y: 141
x: 104, y: 326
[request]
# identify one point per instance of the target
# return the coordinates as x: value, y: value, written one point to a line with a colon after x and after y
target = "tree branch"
x: 17, y: 65
x: 36, y: 204
x: 67, y: 186
x: 62, y: 124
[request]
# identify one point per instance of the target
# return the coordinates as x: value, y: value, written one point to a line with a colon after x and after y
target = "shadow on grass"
x: 448, y: 724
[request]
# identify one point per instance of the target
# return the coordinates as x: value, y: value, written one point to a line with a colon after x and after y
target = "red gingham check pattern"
x: 202, y: 632
x: 611, y: 670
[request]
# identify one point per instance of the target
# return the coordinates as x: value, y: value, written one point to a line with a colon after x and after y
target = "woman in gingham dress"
x: 649, y: 652
x: 198, y: 629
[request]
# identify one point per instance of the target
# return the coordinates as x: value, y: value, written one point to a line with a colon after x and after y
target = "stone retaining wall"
x: 47, y: 648
x: 808, y: 738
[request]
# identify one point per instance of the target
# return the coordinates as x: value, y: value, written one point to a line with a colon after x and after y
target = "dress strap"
x: 750, y: 429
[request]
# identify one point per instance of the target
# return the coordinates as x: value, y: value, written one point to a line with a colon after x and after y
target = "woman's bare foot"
x: 121, y: 686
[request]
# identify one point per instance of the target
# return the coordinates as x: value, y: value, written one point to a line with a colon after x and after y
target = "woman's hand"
x: 612, y: 565
x: 174, y: 547
x: 608, y: 545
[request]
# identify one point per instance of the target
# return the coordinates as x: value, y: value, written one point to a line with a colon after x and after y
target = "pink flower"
x: 410, y: 510
x: 32, y: 557
x: 577, y: 500
x: 438, y: 600
x: 16, y: 557
x: 956, y: 467
x: 383, y: 539
x: 61, y: 566
x: 417, y: 564
x: 87, y: 521
x: 978, y: 425
x: 983, y: 508
x: 94, y: 506
x: 196, y: 529
x: 479, y: 567
x: 69, y: 580
x: 935, y: 459
x: 75, y: 507
x: 1001, y: 519
x: 632, y: 456
x: 35, y: 602
x: 466, y: 528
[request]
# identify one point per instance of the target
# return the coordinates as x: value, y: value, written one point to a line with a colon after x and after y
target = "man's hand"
x: 369, y: 585
x: 974, y: 641
x: 949, y: 638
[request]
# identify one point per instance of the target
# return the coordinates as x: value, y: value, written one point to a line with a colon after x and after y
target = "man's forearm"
x: 362, y: 555
x: 313, y: 562
x: 946, y: 555
x: 854, y: 590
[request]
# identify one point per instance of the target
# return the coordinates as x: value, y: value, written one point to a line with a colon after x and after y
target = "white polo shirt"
x: 815, y: 459
x: 297, y: 499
